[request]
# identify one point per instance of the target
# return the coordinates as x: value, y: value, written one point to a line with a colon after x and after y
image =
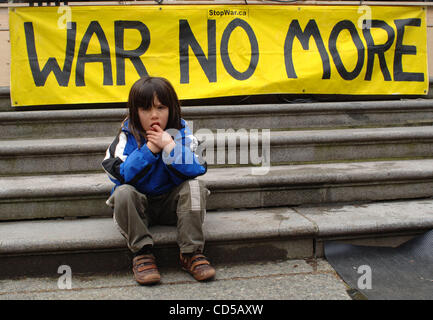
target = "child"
x: 154, y: 180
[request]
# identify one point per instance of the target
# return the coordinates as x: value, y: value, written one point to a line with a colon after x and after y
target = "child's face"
x: 156, y: 115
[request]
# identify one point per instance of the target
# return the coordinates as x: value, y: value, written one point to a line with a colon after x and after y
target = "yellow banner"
x: 71, y: 55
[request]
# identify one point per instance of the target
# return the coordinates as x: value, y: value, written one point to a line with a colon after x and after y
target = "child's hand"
x: 153, y: 147
x: 160, y: 139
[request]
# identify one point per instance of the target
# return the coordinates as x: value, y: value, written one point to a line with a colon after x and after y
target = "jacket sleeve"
x: 182, y: 162
x: 128, y: 169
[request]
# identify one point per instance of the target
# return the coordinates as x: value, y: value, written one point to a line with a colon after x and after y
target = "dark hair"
x: 141, y: 96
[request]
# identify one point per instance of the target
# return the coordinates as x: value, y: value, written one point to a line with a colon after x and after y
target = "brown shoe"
x: 198, y: 266
x: 145, y: 270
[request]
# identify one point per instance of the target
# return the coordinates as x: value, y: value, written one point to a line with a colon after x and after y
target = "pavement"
x: 278, y: 280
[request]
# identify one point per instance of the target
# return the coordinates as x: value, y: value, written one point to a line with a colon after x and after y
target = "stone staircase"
x: 358, y: 171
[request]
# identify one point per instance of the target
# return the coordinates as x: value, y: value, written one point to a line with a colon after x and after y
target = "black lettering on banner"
x: 254, y: 49
x: 103, y: 57
x: 186, y: 40
x: 340, y: 26
x: 401, y: 49
x: 311, y: 30
x: 379, y: 49
x: 133, y: 55
x: 62, y: 76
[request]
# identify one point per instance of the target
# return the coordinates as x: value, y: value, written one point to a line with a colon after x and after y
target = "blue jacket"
x: 149, y: 173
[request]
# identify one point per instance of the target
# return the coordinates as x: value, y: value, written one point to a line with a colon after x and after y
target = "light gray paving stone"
x: 280, y: 281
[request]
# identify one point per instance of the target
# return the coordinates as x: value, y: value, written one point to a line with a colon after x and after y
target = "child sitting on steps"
x: 153, y: 165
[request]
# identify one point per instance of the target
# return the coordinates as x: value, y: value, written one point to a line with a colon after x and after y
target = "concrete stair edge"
x: 220, y: 110
x: 85, y: 195
x: 106, y: 122
x: 354, y: 106
x: 100, y: 144
x: 228, y: 178
x: 56, y: 156
x: 223, y: 228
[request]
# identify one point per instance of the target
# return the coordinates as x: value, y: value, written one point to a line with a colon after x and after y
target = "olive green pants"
x: 184, y: 206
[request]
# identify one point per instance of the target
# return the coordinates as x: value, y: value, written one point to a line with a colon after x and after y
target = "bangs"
x: 142, y: 97
x: 164, y: 95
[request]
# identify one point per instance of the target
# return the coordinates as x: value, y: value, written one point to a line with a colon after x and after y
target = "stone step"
x: 95, y: 245
x: 18, y: 157
x: 106, y: 122
x: 71, y: 195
